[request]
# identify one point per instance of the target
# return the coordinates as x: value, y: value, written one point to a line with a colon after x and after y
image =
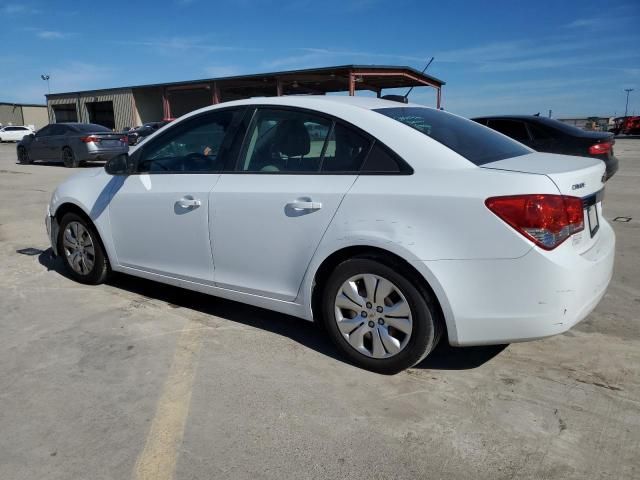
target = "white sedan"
x: 393, y: 224
x: 14, y: 133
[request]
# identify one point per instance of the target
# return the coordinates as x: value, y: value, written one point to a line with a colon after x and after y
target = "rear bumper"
x: 611, y: 164
x: 535, y: 296
x: 105, y: 155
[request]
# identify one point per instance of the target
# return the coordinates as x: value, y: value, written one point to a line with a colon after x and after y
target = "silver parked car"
x: 72, y: 143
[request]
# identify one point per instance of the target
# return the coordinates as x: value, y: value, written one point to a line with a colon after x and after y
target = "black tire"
x: 23, y: 156
x: 101, y: 269
x: 427, y: 322
x: 69, y: 158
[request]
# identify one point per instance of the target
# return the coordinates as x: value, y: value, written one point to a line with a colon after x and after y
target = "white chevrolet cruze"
x: 393, y: 224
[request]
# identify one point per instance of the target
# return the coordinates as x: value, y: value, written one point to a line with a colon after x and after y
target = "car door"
x: 160, y: 214
x: 38, y: 148
x: 58, y: 138
x: 268, y: 215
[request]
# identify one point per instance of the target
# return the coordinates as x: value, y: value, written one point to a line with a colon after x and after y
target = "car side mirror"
x: 119, y: 165
x: 32, y: 135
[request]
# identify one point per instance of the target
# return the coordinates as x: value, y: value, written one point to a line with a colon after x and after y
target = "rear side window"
x: 382, y: 160
x: 539, y: 133
x: 511, y: 128
x: 474, y: 142
x: 301, y: 142
x: 345, y: 151
x: 58, y: 130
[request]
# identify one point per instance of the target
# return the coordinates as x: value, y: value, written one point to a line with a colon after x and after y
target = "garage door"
x: 65, y: 112
x: 185, y: 101
x: 102, y: 114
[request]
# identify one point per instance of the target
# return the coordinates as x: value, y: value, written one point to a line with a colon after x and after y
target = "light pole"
x: 628, y: 90
x: 46, y: 77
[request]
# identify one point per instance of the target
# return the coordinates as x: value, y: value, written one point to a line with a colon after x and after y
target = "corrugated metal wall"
x: 36, y: 116
x: 11, y: 114
x: 123, y: 105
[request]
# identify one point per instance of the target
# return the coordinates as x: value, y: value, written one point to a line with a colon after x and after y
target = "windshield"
x: 474, y: 142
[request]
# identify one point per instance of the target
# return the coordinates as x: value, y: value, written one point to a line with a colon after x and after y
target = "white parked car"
x: 14, y: 133
x: 393, y: 224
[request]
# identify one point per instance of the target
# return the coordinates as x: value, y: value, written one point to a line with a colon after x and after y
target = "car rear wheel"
x: 79, y: 244
x: 378, y: 317
x: 23, y: 156
x: 69, y: 158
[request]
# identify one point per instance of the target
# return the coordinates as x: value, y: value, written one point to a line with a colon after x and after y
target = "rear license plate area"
x: 594, y: 221
x: 590, y: 205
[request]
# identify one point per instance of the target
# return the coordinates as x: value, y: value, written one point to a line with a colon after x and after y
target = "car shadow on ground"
x: 444, y: 357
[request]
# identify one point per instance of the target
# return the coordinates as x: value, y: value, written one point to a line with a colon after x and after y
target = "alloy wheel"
x: 78, y: 248
x: 373, y: 315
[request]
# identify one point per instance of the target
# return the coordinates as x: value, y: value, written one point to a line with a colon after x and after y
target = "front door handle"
x: 304, y: 205
x: 189, y: 202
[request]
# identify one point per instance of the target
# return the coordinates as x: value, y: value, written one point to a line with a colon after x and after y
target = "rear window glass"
x: 511, y: 128
x: 474, y: 142
x: 558, y: 125
x: 90, y: 128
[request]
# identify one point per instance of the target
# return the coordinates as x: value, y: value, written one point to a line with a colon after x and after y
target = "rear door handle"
x: 189, y: 202
x: 303, y: 205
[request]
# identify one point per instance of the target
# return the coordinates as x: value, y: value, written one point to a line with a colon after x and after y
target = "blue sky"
x: 574, y: 57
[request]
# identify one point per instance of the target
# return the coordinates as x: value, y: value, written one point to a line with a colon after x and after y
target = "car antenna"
x: 423, y: 70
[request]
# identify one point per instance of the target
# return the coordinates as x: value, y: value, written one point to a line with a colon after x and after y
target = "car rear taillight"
x: 547, y: 220
x: 91, y: 139
x: 600, y: 148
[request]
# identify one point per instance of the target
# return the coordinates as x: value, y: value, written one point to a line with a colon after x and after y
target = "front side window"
x: 44, y: 131
x: 472, y: 141
x: 199, y: 144
x: 289, y: 141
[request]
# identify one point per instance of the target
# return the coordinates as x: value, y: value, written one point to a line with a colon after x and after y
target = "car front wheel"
x: 378, y: 317
x: 84, y: 257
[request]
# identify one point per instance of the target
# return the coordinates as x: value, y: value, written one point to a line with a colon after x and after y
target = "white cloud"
x: 52, y: 34
x: 18, y: 9
x: 181, y: 44
x: 584, y: 23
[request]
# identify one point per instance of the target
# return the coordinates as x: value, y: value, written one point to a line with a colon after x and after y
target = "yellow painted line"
x: 158, y: 459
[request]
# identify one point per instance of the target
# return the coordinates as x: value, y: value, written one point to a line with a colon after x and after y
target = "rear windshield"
x: 558, y: 125
x: 476, y: 143
x: 90, y: 128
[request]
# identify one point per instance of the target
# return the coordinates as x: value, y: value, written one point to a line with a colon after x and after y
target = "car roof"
x: 319, y: 101
x: 508, y: 117
x: 358, y: 111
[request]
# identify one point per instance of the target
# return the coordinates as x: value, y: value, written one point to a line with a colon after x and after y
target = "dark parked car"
x: 548, y: 135
x: 72, y: 143
x: 139, y: 133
